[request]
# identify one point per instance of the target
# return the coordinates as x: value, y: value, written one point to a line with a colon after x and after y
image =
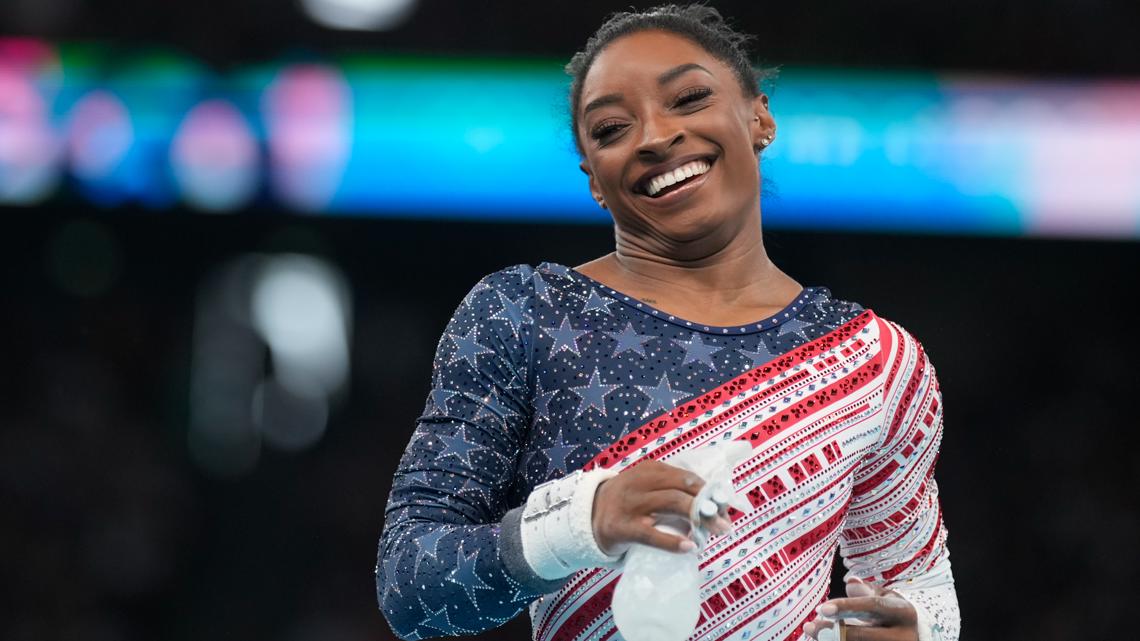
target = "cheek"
x: 608, y: 175
x: 744, y: 168
x: 736, y: 140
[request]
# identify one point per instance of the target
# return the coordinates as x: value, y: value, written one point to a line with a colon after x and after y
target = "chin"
x: 697, y: 224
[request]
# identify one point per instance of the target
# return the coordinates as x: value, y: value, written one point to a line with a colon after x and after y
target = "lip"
x: 680, y: 193
x: 641, y: 185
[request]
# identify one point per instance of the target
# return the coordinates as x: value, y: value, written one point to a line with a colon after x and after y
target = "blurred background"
x: 233, y: 232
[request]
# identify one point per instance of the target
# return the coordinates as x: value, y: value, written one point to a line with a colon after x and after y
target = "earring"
x: 767, y: 141
x: 601, y: 203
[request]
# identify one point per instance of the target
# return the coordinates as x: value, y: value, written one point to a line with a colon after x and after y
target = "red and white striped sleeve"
x: 894, y: 535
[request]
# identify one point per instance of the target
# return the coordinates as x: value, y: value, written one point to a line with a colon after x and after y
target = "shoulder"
x: 494, y: 317
x: 841, y: 311
x: 895, y: 336
x: 895, y: 347
x: 510, y: 288
x: 511, y: 281
x: 500, y: 300
x: 906, y: 367
x: 825, y: 312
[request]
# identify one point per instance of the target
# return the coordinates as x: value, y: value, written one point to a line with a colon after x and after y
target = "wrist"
x: 557, y: 526
x: 604, y: 545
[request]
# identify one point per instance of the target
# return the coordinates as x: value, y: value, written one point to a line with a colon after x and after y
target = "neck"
x: 727, y: 264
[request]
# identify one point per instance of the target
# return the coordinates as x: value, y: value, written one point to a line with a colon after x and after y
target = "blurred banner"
x: 489, y: 139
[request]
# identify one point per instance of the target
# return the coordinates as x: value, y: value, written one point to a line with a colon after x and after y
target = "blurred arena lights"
x: 29, y: 146
x: 101, y: 133
x: 120, y: 127
x: 362, y: 15
x: 308, y: 113
x: 227, y: 364
x: 215, y: 158
x: 300, y: 307
x: 271, y: 351
x: 381, y: 136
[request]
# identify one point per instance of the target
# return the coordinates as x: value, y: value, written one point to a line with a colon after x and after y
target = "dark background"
x: 112, y: 533
x: 1072, y: 37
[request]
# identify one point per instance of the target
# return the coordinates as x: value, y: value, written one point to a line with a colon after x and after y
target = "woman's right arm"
x: 455, y: 557
x: 450, y: 558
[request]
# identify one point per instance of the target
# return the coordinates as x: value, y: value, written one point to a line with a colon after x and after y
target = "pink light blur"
x: 101, y: 134
x: 28, y: 146
x: 308, y: 116
x: 27, y: 55
x: 1083, y: 170
x: 215, y: 157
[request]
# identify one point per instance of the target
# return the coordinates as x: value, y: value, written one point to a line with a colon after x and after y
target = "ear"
x: 763, y: 125
x: 594, y: 191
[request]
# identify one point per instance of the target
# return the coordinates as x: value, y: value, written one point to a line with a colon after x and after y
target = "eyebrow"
x: 598, y: 103
x: 664, y: 78
x: 678, y: 70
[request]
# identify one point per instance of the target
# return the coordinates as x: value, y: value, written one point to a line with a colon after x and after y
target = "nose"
x: 659, y: 134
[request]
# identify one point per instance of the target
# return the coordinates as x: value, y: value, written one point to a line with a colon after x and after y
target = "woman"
x: 559, y: 395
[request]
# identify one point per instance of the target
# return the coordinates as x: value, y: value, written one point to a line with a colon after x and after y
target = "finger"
x: 672, y: 477
x: 812, y: 628
x: 709, y: 516
x: 857, y: 588
x: 874, y: 633
x: 668, y: 502
x: 653, y: 537
x: 714, y: 522
x: 717, y: 525
x: 825, y: 630
x: 878, y: 610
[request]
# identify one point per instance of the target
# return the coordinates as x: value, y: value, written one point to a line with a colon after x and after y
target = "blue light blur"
x: 489, y: 140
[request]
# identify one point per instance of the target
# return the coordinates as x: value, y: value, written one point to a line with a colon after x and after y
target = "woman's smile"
x: 591, y: 373
x: 674, y: 182
x: 661, y: 178
x: 669, y: 140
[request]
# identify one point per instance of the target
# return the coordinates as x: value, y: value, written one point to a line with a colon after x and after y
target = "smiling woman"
x: 560, y: 395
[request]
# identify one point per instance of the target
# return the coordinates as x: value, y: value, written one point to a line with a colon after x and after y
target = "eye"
x: 691, y: 96
x: 606, y: 130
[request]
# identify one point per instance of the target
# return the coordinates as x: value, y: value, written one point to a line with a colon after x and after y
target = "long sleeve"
x: 895, y: 536
x: 451, y: 559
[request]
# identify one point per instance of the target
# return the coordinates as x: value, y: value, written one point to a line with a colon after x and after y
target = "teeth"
x: 688, y: 170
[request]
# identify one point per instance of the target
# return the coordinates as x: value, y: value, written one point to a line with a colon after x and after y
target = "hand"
x: 888, y: 616
x: 625, y: 508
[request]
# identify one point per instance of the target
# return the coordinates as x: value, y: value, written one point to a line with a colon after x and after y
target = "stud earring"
x: 767, y: 141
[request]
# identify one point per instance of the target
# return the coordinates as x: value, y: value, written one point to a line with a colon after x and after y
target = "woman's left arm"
x: 894, y: 539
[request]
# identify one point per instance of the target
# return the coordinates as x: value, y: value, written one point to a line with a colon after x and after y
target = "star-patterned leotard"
x: 541, y: 371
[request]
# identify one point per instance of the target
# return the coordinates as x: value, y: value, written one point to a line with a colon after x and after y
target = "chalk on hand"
x: 708, y: 509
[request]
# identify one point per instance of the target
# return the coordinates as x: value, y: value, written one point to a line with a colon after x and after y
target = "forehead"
x: 642, y: 56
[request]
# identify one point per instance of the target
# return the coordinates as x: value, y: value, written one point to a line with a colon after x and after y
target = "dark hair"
x: 700, y: 23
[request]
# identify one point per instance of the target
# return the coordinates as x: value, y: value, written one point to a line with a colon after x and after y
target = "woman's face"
x: 669, y: 138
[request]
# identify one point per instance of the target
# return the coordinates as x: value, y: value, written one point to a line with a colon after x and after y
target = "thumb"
x: 856, y: 588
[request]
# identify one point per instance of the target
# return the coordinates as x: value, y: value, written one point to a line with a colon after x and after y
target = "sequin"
x: 539, y: 372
